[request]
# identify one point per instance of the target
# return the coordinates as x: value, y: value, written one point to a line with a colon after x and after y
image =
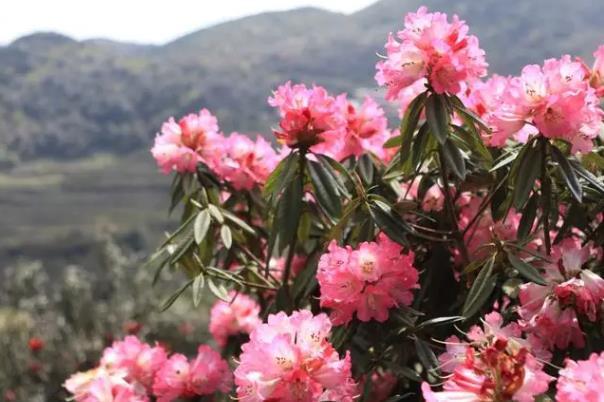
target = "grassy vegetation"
x: 55, y: 210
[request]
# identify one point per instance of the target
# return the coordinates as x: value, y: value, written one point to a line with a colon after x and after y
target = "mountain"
x: 60, y: 98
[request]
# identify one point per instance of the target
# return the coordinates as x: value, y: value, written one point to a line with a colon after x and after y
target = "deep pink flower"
x: 494, y: 364
x: 138, y: 360
x: 309, y: 117
x: 181, y: 146
x: 582, y: 381
x: 430, y: 47
x: 230, y: 319
x: 178, y: 378
x: 368, y: 280
x: 290, y: 359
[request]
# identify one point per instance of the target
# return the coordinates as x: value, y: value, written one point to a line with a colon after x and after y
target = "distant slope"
x: 61, y: 98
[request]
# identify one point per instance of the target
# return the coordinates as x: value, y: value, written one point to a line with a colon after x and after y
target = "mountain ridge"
x: 62, y: 98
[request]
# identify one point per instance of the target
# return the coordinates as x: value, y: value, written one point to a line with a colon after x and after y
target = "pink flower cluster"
x: 552, y: 313
x: 328, y: 125
x: 290, y: 359
x: 241, y: 315
x: 555, y: 100
x: 495, y: 364
x: 368, y: 280
x: 597, y: 72
x: 236, y: 159
x: 433, y: 199
x: 582, y: 381
x: 132, y: 371
x: 432, y: 48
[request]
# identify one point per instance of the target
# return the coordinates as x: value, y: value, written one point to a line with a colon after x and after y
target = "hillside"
x: 60, y: 98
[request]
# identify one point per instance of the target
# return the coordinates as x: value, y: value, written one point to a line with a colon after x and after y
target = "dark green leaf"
x: 475, y: 143
x: 289, y: 210
x: 394, y: 142
x: 481, y: 289
x: 454, y: 159
x: 325, y: 189
x: 201, y: 225
x: 282, y: 175
x: 366, y: 169
x: 529, y: 169
x: 568, y: 174
x: 588, y: 176
x: 526, y: 270
x: 170, y: 301
x: 419, y: 145
x: 438, y: 117
x: 409, y: 124
x: 440, y: 321
x: 529, y: 213
x: 426, y: 356
x: 390, y: 222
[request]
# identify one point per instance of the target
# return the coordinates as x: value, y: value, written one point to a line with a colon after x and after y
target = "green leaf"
x: 325, y: 189
x: 366, y: 169
x: 394, y: 142
x: 468, y: 115
x: 419, y: 145
x: 588, y: 176
x: 216, y: 213
x: 438, y: 117
x: 481, y: 289
x: 337, y: 172
x: 218, y: 290
x: 282, y: 175
x: 170, y: 301
x: 529, y: 213
x: 454, y: 159
x: 527, y: 172
x: 201, y: 225
x: 440, y: 321
x: 390, y: 222
x: 237, y: 221
x: 475, y: 143
x: 409, y: 124
x: 198, y: 285
x: 425, y: 355
x: 526, y: 270
x: 568, y: 174
x: 289, y: 209
x: 226, y: 236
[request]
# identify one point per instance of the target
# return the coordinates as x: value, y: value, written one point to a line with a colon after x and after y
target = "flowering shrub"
x: 457, y: 257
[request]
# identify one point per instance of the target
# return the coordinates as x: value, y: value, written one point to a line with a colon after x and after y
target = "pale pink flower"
x: 597, y: 71
x: 553, y: 312
x: 433, y: 48
x: 290, y: 359
x: 139, y: 360
x: 368, y: 280
x: 103, y: 385
x: 240, y: 316
x: 207, y: 374
x: 181, y: 146
x: 582, y: 381
x: 493, y: 365
x: 434, y: 199
x: 310, y: 117
x: 244, y: 163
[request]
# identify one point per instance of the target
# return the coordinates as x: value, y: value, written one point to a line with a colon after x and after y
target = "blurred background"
x: 84, y: 87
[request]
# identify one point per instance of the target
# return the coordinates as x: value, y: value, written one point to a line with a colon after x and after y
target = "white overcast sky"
x: 150, y: 21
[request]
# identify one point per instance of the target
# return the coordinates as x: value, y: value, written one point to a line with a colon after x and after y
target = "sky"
x: 151, y: 21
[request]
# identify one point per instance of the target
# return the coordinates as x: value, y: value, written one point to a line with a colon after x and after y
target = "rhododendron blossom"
x: 597, y: 72
x: 430, y: 47
x: 244, y: 163
x: 181, y: 378
x: 582, y: 381
x: 309, y: 117
x: 181, y: 146
x: 368, y: 280
x: 290, y: 359
x: 241, y: 315
x: 493, y: 365
x: 103, y: 385
x: 552, y: 312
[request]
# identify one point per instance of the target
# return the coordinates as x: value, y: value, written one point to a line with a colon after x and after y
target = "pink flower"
x: 244, y: 163
x: 309, y: 117
x: 382, y: 385
x: 290, y: 359
x: 102, y: 385
x: 494, y: 365
x: 138, y: 360
x: 582, y: 381
x: 181, y: 146
x: 368, y: 280
x: 178, y: 378
x: 366, y: 130
x: 597, y: 71
x: 430, y: 47
x: 555, y: 99
x: 434, y: 199
x: 231, y: 319
x: 552, y: 313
